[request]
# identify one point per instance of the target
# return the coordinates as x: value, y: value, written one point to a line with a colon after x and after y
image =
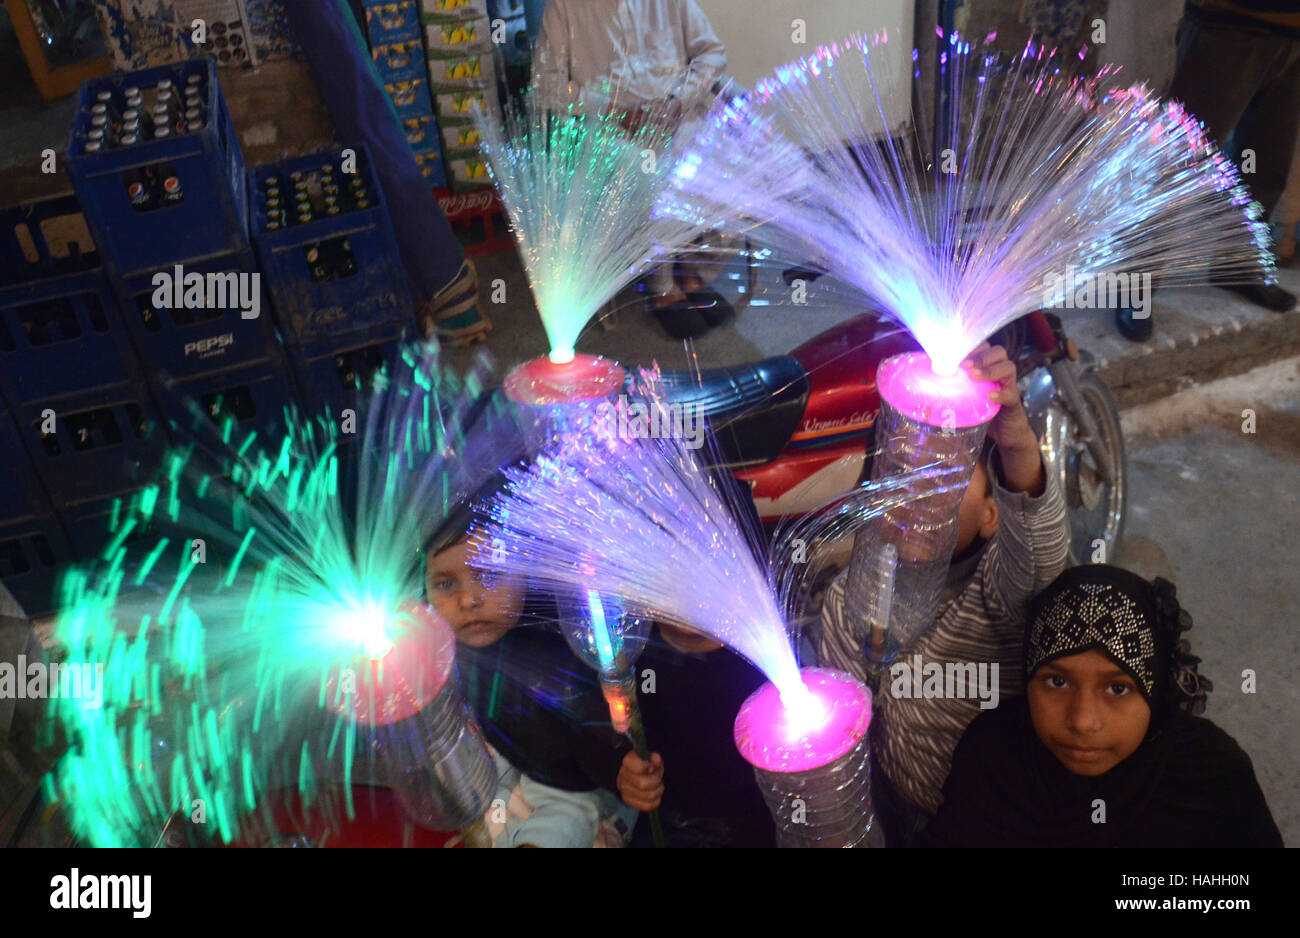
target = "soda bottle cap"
x: 99, y: 120
x: 194, y: 79
x: 131, y: 91
x: 93, y: 146
x: 98, y: 109
x: 104, y: 96
x: 272, y: 225
x: 96, y: 133
x: 160, y: 108
x: 129, y: 139
x: 164, y: 84
x: 163, y: 131
x: 131, y: 114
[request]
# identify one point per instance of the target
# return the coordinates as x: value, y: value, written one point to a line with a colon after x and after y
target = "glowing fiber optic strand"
x: 1042, y: 174
x: 643, y: 520
x: 580, y: 191
x: 222, y: 666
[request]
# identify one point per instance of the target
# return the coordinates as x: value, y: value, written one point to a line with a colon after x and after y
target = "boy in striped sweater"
x: 1013, y: 540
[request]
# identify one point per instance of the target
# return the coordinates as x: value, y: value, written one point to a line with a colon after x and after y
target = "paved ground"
x: 1217, y: 511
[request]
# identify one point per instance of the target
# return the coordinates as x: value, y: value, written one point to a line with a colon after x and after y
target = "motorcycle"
x: 797, y: 429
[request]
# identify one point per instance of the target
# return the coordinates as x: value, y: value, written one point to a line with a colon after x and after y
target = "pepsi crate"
x: 34, y: 553
x: 331, y: 383
x: 333, y: 275
x: 91, y: 526
x: 200, y: 316
x: 21, y: 494
x: 254, y: 399
x: 60, y: 326
x: 158, y: 201
x: 94, y: 443
x: 393, y: 21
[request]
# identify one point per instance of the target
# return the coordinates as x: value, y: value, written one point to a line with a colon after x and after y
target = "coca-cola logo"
x: 464, y: 203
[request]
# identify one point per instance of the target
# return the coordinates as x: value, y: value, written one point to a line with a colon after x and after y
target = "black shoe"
x: 1134, y: 329
x: 711, y: 305
x: 800, y: 273
x: 681, y: 320
x: 1267, y: 295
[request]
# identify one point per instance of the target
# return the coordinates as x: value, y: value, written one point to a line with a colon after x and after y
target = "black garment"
x: 710, y: 796
x: 542, y: 709
x: 1241, y: 76
x: 1187, y: 785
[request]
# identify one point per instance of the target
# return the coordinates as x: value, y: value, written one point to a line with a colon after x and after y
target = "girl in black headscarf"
x: 1103, y: 750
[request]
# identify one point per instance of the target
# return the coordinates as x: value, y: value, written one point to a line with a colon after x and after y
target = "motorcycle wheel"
x: 1097, y: 510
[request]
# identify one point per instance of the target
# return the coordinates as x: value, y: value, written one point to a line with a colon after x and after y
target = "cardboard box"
x: 399, y: 60
x: 144, y: 33
x: 459, y: 37
x: 453, y: 107
x: 461, y: 72
x: 434, y: 10
x: 421, y: 131
x: 433, y: 168
x: 460, y: 137
x: 410, y: 97
x: 468, y: 172
x: 392, y: 22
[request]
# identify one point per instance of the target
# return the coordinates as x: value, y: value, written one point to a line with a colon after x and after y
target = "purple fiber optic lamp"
x: 811, y: 761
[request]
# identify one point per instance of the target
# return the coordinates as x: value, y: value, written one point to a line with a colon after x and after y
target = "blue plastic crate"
x: 92, y: 525
x: 212, y: 214
x: 334, y: 276
x: 60, y: 327
x: 104, y: 441
x: 182, y: 340
x: 238, y: 402
x: 34, y: 553
x: 21, y: 494
x: 337, y: 381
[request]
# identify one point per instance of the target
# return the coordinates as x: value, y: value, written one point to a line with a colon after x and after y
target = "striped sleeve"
x: 915, y: 736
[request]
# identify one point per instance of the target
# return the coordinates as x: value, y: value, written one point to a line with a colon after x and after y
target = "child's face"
x: 479, y: 607
x: 1088, y: 712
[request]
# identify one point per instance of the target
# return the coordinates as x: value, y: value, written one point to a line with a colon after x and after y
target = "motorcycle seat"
x: 753, y: 409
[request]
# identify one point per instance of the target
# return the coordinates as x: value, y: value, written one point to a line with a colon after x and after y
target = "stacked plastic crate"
x: 66, y: 381
x: 325, y: 242
x: 158, y: 171
x: 398, y: 50
x: 462, y: 75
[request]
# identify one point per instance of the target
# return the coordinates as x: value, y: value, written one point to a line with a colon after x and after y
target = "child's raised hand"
x: 1022, y: 465
x: 641, y: 783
